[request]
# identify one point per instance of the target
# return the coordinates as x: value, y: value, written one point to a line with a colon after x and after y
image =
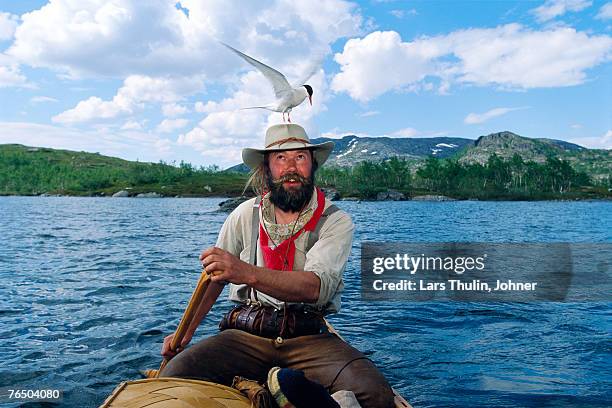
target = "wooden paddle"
x: 202, y: 300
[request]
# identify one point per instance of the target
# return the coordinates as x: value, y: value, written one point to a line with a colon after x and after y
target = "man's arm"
x: 287, y: 286
x: 215, y: 288
x: 325, y: 263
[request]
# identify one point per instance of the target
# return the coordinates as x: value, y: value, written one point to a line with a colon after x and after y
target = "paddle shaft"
x: 187, y: 319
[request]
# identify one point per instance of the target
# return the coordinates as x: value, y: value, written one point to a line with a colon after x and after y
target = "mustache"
x: 290, y: 177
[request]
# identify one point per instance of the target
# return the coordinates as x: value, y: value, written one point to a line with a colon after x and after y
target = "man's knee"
x: 187, y: 364
x: 197, y: 361
x: 219, y: 358
x: 369, y: 385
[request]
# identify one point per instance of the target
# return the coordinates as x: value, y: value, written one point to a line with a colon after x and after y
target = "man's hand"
x: 167, y: 352
x: 225, y: 267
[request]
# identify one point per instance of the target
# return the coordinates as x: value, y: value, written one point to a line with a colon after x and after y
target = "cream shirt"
x: 327, y: 258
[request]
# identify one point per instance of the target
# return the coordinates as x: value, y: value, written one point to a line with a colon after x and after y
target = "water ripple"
x: 91, y: 287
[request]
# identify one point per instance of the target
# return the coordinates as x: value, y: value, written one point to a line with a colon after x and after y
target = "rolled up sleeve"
x: 235, y: 231
x: 328, y: 257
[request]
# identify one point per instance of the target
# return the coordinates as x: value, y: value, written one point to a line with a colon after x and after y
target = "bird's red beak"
x: 310, y: 99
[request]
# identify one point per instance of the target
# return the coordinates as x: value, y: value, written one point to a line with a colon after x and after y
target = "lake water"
x: 91, y: 285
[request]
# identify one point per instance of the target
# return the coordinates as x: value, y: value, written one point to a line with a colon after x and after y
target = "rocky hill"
x: 507, y: 144
x: 352, y: 149
x: 597, y: 163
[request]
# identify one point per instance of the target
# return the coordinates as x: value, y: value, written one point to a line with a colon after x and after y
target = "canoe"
x: 174, y: 393
x: 183, y: 393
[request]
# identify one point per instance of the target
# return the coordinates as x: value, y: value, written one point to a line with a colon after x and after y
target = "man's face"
x: 291, y: 179
x: 289, y: 162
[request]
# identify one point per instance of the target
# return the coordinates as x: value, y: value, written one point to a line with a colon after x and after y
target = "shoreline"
x: 356, y: 199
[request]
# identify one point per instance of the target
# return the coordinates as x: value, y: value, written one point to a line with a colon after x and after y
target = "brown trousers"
x: 324, y: 358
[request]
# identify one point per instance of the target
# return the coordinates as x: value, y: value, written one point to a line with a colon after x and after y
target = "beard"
x: 291, y: 199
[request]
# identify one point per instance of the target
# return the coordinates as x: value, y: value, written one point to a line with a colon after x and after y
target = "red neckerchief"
x: 275, y: 258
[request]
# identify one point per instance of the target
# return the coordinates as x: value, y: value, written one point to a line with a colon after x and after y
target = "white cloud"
x: 406, y: 132
x: 576, y: 126
x: 170, y: 125
x: 11, y: 76
x: 338, y: 134
x: 199, y: 107
x: 475, y: 118
x: 509, y: 56
x: 401, y: 133
x: 136, y: 90
x: 100, y: 38
x: 8, y: 24
x: 103, y: 38
x: 130, y: 145
x: 174, y: 109
x: 92, y: 108
x: 164, y: 146
x: 226, y: 129
x: 131, y: 125
x: 42, y: 99
x: 555, y: 8
x: 379, y: 62
x: 403, y: 13
x: 369, y: 113
x: 605, y: 12
x: 595, y: 142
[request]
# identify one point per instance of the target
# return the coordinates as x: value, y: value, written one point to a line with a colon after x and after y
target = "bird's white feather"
x: 279, y: 82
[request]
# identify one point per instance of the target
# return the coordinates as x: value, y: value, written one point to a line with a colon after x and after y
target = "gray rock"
x: 432, y: 197
x: 230, y: 204
x: 208, y: 188
x: 331, y: 194
x: 350, y: 199
x: 149, y: 195
x: 121, y: 193
x: 390, y: 195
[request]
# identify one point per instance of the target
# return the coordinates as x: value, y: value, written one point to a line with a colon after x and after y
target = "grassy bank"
x: 34, y: 171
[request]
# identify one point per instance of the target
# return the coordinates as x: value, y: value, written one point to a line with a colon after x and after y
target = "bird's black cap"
x: 308, y: 89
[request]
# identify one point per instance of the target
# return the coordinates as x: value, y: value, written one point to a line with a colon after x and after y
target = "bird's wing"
x: 279, y: 82
x: 312, y: 69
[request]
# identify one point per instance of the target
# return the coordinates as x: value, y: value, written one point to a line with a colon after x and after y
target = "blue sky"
x: 149, y: 81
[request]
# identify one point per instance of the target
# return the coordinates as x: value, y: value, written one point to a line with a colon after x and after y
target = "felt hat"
x: 286, y: 136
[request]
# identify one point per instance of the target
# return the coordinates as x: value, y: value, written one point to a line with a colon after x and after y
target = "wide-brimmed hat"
x: 286, y: 136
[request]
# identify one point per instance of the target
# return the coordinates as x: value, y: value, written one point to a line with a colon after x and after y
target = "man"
x: 284, y: 255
